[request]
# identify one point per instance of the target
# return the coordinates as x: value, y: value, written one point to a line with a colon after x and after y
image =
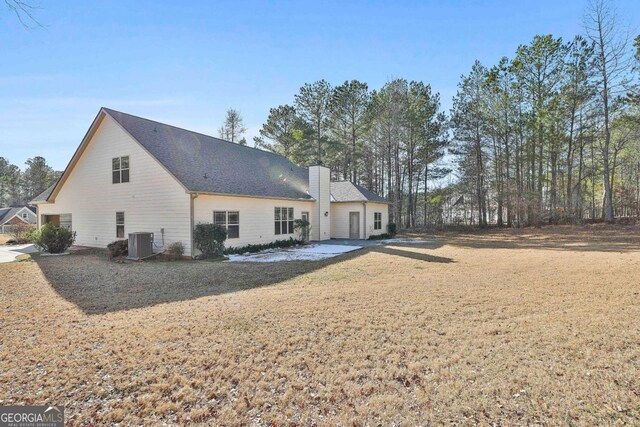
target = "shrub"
x: 392, y: 228
x: 302, y: 227
x: 380, y: 236
x: 21, y: 232
x: 175, y: 251
x: 32, y: 235
x: 118, y: 249
x: 287, y: 243
x: 209, y: 240
x: 55, y: 240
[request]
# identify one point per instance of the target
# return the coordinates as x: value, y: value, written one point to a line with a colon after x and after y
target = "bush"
x: 21, y: 232
x: 257, y: 248
x: 392, y: 228
x: 55, y: 240
x: 302, y: 227
x: 32, y: 235
x: 118, y: 249
x: 175, y: 251
x: 380, y: 236
x: 209, y: 240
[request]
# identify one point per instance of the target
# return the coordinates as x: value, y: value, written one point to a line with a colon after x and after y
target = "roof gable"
x: 347, y: 191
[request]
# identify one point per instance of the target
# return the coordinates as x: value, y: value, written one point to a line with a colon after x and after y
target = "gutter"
x: 207, y: 193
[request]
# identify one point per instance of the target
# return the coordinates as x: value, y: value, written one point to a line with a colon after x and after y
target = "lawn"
x: 507, y: 328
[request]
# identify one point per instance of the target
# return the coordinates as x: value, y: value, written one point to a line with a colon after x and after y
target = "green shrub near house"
x: 55, y: 240
x: 32, y: 235
x: 302, y: 227
x: 380, y: 236
x: 392, y: 228
x: 286, y: 243
x: 209, y: 240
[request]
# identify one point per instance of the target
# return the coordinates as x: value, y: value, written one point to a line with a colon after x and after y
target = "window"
x: 377, y: 220
x: 24, y: 215
x: 229, y: 220
x: 66, y: 221
x: 120, y: 169
x: 283, y: 220
x: 120, y: 225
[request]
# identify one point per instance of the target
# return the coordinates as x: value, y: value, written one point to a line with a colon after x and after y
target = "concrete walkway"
x: 8, y: 253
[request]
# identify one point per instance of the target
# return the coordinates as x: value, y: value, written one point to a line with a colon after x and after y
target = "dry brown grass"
x: 4, y: 238
x: 512, y: 328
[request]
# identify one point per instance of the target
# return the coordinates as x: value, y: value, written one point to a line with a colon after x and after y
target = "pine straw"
x: 524, y: 327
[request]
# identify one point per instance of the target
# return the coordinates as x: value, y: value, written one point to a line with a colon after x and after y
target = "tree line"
x: 18, y: 187
x: 550, y: 135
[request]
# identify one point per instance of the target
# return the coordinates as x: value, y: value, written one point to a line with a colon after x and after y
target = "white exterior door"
x: 354, y: 225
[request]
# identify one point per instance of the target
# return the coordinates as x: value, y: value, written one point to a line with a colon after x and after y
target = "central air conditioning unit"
x: 140, y: 245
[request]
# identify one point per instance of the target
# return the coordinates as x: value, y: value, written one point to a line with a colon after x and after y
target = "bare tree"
x: 233, y: 127
x: 24, y: 11
x: 612, y: 64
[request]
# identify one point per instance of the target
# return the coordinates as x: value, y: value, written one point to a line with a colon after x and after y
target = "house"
x: 131, y: 174
x: 14, y: 215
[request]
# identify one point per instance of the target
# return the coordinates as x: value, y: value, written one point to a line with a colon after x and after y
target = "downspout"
x: 319, y: 206
x: 192, y: 197
x: 364, y: 204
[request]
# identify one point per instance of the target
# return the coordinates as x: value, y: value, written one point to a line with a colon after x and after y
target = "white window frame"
x: 118, y: 169
x: 228, y: 222
x: 283, y: 217
x: 377, y: 220
x: 120, y: 224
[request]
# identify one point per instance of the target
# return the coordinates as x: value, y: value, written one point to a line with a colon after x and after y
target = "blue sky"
x: 185, y: 63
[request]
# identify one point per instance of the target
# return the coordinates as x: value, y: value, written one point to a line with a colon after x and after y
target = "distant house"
x: 14, y: 215
x: 131, y: 174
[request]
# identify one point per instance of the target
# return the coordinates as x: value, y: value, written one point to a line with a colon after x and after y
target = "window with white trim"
x: 229, y: 220
x: 283, y: 220
x: 24, y: 215
x: 377, y: 220
x: 120, y: 169
x: 120, y: 225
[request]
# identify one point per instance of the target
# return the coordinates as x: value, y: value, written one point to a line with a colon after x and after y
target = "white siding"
x: 257, y: 221
x: 377, y: 207
x: 152, y: 200
x: 320, y: 189
x: 340, y: 218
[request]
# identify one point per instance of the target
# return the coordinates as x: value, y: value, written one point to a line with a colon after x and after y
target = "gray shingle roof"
x: 210, y: 165
x: 3, y: 214
x: 7, y: 213
x: 42, y: 197
x: 346, y: 191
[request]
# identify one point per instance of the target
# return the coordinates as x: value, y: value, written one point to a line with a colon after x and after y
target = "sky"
x: 186, y: 63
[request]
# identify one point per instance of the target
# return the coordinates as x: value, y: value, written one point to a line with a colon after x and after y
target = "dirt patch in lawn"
x: 4, y: 238
x: 511, y: 328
